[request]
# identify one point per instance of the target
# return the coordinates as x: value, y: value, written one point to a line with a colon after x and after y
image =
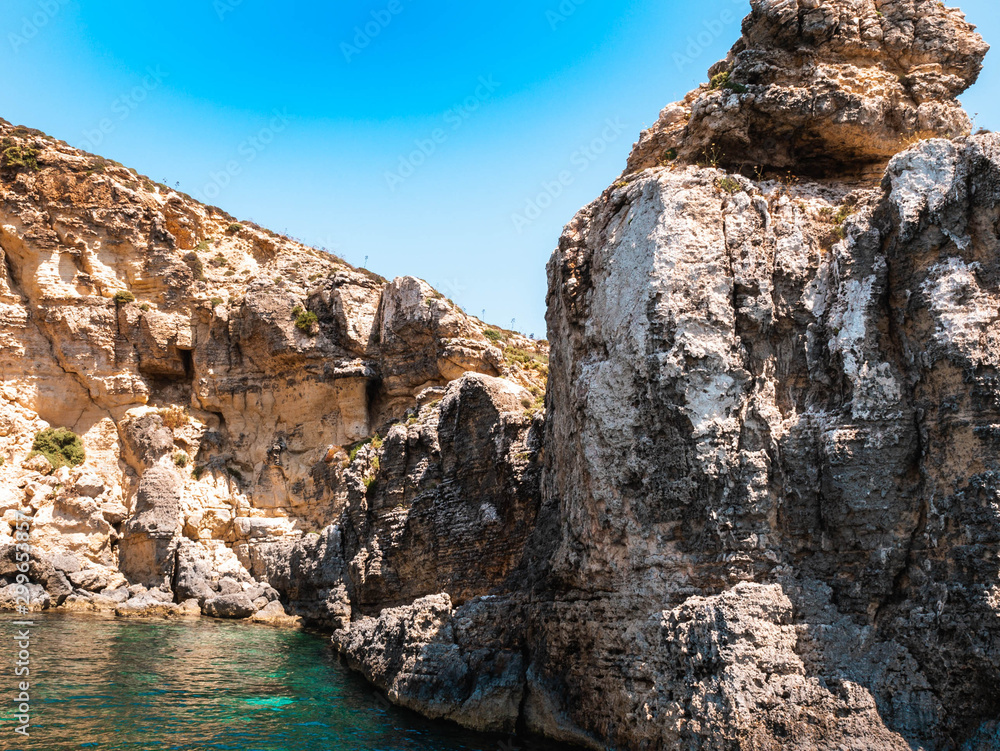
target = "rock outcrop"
x: 825, y: 87
x: 221, y: 378
x: 759, y: 509
x: 769, y: 446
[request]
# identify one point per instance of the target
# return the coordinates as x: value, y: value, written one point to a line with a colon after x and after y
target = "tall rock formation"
x: 760, y: 509
x: 769, y: 445
x: 769, y: 517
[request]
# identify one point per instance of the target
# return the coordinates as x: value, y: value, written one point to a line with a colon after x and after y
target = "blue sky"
x: 429, y: 137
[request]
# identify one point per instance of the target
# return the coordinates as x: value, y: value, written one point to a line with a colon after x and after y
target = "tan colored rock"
x: 274, y: 614
x: 39, y: 464
x: 824, y: 88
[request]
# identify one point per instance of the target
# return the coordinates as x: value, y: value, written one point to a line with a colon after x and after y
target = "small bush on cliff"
x: 181, y: 459
x: 123, y: 297
x: 728, y: 184
x: 196, y: 266
x: 62, y: 447
x: 174, y: 417
x: 375, y: 441
x: 723, y: 81
x: 494, y: 335
x: 305, y: 320
x: 232, y: 229
x: 19, y: 157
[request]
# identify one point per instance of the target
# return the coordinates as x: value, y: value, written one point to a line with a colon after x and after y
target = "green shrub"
x: 842, y: 214
x: 305, y: 320
x: 196, y: 266
x: 723, y: 81
x: 232, y: 229
x: 144, y: 307
x: 181, y: 459
x: 202, y: 246
x: 376, y: 442
x: 62, y: 447
x: 219, y: 260
x: 494, y: 335
x: 19, y: 156
x: 123, y: 297
x: 369, y: 479
x: 216, y: 302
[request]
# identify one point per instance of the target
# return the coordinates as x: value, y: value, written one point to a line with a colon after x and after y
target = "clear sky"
x: 426, y: 136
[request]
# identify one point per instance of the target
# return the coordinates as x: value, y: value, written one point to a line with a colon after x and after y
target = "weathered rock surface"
x: 760, y: 509
x: 420, y: 656
x: 769, y: 455
x: 218, y: 374
x: 825, y: 87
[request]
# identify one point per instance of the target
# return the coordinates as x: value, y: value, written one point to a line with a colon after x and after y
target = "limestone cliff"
x: 221, y: 377
x: 769, y: 513
x: 760, y: 509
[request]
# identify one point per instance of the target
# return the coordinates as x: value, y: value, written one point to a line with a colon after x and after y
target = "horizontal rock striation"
x: 769, y: 440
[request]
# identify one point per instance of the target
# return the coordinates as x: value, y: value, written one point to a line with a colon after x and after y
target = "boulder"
x: 229, y: 606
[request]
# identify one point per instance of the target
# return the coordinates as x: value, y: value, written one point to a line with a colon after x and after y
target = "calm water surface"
x: 197, y: 684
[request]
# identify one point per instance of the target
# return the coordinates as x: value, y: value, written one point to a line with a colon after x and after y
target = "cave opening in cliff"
x: 187, y: 360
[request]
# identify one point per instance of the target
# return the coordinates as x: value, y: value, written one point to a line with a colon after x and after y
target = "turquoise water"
x: 203, y: 685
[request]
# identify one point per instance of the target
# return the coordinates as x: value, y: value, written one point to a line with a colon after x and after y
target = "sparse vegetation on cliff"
x: 174, y: 417
x: 723, y: 81
x: 16, y: 156
x: 196, y: 266
x: 62, y: 447
x: 305, y: 320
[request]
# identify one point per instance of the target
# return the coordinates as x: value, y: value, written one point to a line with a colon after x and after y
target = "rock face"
x: 768, y: 514
x: 219, y: 376
x: 760, y: 508
x: 758, y: 425
x: 825, y: 87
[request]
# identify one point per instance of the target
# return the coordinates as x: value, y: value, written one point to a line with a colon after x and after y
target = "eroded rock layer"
x: 759, y: 510
x: 825, y: 87
x: 221, y: 379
